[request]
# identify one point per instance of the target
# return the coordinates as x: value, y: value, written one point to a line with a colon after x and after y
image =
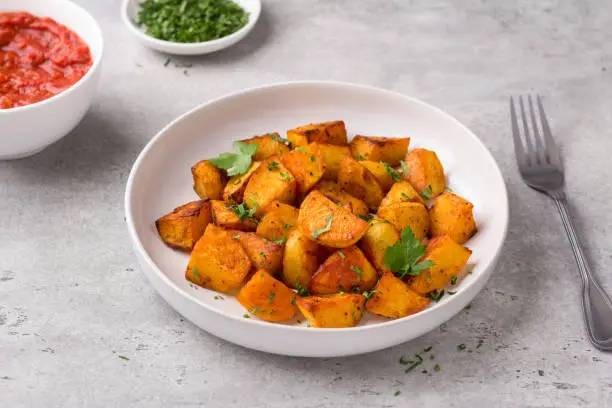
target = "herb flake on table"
x: 123, y: 357
x: 403, y: 256
x: 238, y: 162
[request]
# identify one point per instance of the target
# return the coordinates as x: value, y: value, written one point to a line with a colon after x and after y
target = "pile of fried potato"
x: 307, y: 227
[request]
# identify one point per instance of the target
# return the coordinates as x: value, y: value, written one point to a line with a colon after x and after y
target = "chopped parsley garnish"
x: 356, y: 270
x: 280, y: 139
x: 369, y: 294
x: 271, y: 297
x: 301, y: 149
x: 396, y: 393
x: 435, y: 295
x: 340, y: 254
x: 255, y: 310
x: 468, y: 307
x: 280, y: 241
x: 236, y: 163
x: 123, y: 357
x: 437, y: 368
x: 285, y: 176
x: 196, y: 275
x: 404, y: 362
x: 447, y: 188
x: 263, y: 255
x: 428, y: 349
x: 301, y: 291
x: 461, y: 347
x: 242, y: 211
x: 404, y: 168
x: 454, y: 280
x: 366, y: 217
x: 403, y: 256
x: 246, y: 316
x: 313, y: 158
x: 469, y: 271
x: 236, y: 237
x: 273, y: 165
x: 394, y: 175
x: 414, y: 364
x: 361, y: 158
x: 354, y: 315
x: 293, y: 301
x: 287, y: 226
x: 327, y: 228
x: 406, y: 196
x: 426, y: 193
x: 218, y: 297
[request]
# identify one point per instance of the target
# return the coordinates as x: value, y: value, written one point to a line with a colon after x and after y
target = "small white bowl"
x: 129, y: 13
x: 26, y: 130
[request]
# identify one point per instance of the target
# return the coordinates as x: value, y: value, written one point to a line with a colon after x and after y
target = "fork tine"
x: 530, y: 151
x: 551, y: 147
x: 519, y: 151
x: 540, y: 147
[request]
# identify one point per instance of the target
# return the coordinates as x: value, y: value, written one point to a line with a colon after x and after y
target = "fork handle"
x: 596, y: 303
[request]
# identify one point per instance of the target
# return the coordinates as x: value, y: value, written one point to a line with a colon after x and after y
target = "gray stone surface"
x: 72, y: 298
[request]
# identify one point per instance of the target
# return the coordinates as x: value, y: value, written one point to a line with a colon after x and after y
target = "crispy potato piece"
x: 360, y: 182
x: 208, y: 180
x: 223, y: 216
x: 301, y: 259
x: 332, y: 191
x: 182, y: 228
x: 448, y: 257
x: 307, y: 166
x: 272, y: 181
x: 329, y: 224
x: 393, y: 298
x: 332, y: 155
x: 218, y: 262
x: 407, y: 214
x: 268, y: 298
x: 425, y: 169
x: 262, y: 253
x: 379, y: 170
x: 340, y: 310
x: 452, y: 215
x: 234, y: 189
x: 401, y: 192
x: 268, y: 145
x: 379, y: 236
x: 344, y: 271
x: 327, y: 132
x: 279, y: 220
x: 391, y: 150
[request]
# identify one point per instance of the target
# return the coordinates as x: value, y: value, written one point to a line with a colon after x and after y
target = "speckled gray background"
x: 72, y: 298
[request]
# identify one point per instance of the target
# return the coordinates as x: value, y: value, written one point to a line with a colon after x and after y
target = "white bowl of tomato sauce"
x: 50, y: 54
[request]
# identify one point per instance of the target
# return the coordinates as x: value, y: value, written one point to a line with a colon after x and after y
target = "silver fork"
x: 540, y: 165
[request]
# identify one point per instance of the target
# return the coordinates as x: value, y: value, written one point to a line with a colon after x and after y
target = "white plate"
x: 129, y: 12
x: 161, y: 180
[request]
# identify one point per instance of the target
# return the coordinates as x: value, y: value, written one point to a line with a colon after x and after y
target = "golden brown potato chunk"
x: 379, y: 236
x: 360, y: 182
x: 401, y: 192
x: 218, y: 262
x: 393, y: 298
x: 208, y: 180
x: 332, y: 191
x: 262, y: 253
x: 329, y: 224
x: 182, y: 228
x: 448, y: 257
x: 391, y: 150
x: 268, y: 145
x: 307, y: 166
x: 272, y: 181
x: 407, y: 214
x: 268, y: 298
x: 301, y: 260
x: 384, y: 174
x: 332, y: 155
x: 332, y: 311
x: 327, y: 132
x: 425, y: 172
x: 452, y: 215
x: 234, y: 189
x: 279, y: 220
x: 224, y: 216
x: 346, y: 270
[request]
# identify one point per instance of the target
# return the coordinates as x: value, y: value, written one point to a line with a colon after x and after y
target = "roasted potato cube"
x: 379, y: 236
x: 408, y: 214
x: 307, y: 166
x: 425, y: 172
x: 452, y: 215
x: 393, y: 298
x: 339, y: 310
x: 327, y: 132
x: 301, y: 260
x: 268, y: 298
x: 346, y: 270
x: 224, y: 216
x: 391, y: 150
x: 279, y: 220
x: 270, y: 144
x: 234, y: 189
x: 329, y: 224
x: 332, y: 155
x: 384, y: 174
x: 332, y: 191
x: 208, y: 180
x: 358, y: 181
x: 218, y: 262
x: 182, y: 228
x: 401, y: 192
x: 272, y: 181
x: 448, y: 257
x: 262, y: 253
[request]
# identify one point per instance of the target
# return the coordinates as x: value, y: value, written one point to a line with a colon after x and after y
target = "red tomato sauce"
x: 39, y: 58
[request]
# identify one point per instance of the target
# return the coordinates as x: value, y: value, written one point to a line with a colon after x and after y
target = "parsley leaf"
x: 356, y: 270
x: 242, y: 211
x: 361, y: 158
x: 280, y: 241
x: 236, y: 163
x: 403, y: 256
x: 280, y: 139
x: 320, y: 231
x: 273, y: 165
x: 435, y: 295
x: 195, y: 273
x: 366, y: 218
x: 340, y: 254
x: 271, y: 298
x: 404, y: 168
x: 426, y: 193
x: 394, y: 174
x: 301, y: 291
